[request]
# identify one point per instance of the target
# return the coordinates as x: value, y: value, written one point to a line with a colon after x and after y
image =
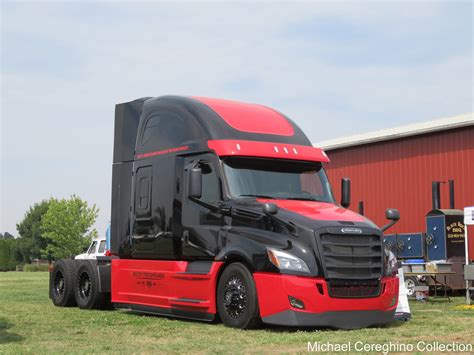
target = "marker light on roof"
x: 268, y: 150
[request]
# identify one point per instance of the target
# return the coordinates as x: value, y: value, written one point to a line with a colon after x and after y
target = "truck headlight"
x: 286, y: 261
x: 391, y: 263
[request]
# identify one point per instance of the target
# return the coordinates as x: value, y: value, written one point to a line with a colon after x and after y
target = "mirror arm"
x: 224, y: 209
x: 388, y: 225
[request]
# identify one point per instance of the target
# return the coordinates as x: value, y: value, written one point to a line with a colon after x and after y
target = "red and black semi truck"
x: 222, y: 209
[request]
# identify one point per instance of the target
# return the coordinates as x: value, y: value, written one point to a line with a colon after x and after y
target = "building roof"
x: 435, y: 125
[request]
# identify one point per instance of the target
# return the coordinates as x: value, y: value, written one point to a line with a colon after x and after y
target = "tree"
x: 7, y: 254
x: 10, y: 255
x: 7, y: 236
x: 67, y: 227
x: 31, y: 240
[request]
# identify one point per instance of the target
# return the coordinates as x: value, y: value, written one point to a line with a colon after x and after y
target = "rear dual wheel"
x: 76, y: 282
x: 62, y: 283
x: 237, y: 302
x: 87, y: 292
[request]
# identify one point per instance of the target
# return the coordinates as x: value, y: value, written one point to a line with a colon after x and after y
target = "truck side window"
x: 92, y: 248
x: 151, y: 129
x: 102, y: 246
x: 210, y: 184
x: 166, y: 131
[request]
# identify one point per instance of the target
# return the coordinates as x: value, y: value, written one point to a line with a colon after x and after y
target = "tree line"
x: 50, y: 230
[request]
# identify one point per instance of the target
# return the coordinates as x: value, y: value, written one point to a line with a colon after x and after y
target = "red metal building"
x: 395, y: 167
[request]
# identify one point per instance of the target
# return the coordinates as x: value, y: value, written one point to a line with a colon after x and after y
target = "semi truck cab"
x: 223, y: 208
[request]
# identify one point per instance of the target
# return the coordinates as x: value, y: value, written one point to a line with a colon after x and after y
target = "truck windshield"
x: 277, y: 179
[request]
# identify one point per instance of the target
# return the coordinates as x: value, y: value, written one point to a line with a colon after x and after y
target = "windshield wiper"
x: 260, y: 196
x: 303, y: 199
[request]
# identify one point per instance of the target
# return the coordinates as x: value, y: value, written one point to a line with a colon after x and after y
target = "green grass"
x: 29, y: 323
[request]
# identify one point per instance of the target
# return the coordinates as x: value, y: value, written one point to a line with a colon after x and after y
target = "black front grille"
x: 353, y: 288
x: 352, y: 257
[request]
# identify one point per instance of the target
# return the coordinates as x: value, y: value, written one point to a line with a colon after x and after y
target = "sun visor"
x: 267, y: 150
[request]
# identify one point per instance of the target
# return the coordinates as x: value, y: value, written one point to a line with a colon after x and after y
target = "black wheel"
x: 237, y: 298
x: 87, y: 287
x: 62, y: 283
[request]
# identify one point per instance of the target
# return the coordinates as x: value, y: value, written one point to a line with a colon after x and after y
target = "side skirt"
x: 171, y: 312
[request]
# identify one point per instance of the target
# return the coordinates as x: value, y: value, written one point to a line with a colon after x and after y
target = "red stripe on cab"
x: 161, y: 152
x: 250, y: 118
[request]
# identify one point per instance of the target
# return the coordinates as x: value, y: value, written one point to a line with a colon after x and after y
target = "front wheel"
x: 237, y: 298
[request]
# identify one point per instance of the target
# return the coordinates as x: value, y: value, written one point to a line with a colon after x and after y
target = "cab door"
x: 202, y: 220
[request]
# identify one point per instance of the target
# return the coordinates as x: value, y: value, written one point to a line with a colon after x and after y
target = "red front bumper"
x: 319, y: 308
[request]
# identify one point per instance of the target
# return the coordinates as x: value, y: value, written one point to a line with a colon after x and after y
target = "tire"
x: 86, y: 287
x: 410, y: 284
x: 237, y: 301
x: 62, y: 283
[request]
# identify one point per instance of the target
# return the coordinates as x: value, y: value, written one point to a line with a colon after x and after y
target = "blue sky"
x: 336, y: 68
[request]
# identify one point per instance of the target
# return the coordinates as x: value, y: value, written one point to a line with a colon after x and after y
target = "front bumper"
x: 321, y: 310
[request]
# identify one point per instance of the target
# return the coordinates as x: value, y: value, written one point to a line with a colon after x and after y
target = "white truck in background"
x: 96, y: 248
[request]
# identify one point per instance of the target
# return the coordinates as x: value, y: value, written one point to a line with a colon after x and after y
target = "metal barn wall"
x: 398, y: 174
